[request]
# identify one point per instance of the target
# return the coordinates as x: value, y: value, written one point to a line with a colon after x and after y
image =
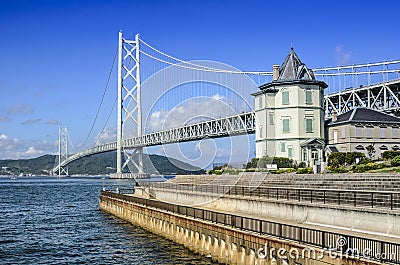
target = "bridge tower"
x: 62, y: 149
x: 129, y: 98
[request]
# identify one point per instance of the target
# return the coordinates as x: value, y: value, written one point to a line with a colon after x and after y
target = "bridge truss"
x: 240, y: 124
x: 382, y: 97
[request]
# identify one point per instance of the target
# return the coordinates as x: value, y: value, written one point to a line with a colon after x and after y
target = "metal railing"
x: 355, y: 198
x: 349, y: 244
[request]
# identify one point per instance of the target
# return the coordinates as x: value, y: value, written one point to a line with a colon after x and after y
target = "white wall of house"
x: 288, y: 117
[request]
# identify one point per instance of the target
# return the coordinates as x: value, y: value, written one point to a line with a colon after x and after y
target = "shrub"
x: 350, y: 157
x: 265, y: 160
x: 336, y: 160
x: 395, y: 161
x: 253, y: 163
x: 388, y: 155
x: 302, y: 165
x: 360, y: 168
x: 340, y: 169
x: 307, y: 170
x: 365, y: 167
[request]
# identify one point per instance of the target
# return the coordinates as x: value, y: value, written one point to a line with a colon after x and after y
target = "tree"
x: 371, y: 150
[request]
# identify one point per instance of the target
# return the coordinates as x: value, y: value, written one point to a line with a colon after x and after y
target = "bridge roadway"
x: 239, y: 124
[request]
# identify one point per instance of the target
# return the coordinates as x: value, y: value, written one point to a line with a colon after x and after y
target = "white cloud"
x: 106, y: 136
x: 31, y: 121
x: 12, y: 148
x: 8, y: 144
x: 342, y: 55
x: 32, y: 152
x: 53, y: 122
x: 20, y: 109
x: 4, y: 118
x: 190, y: 111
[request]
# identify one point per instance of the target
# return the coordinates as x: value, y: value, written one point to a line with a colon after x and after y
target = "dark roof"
x: 292, y: 71
x: 364, y: 115
x: 332, y: 148
x: 292, y: 68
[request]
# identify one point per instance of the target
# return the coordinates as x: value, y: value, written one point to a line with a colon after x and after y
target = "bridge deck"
x: 239, y: 124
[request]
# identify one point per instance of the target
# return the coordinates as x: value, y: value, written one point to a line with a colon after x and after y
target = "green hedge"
x: 306, y: 170
x: 365, y: 167
x: 336, y: 160
x: 395, y: 161
x: 265, y: 160
x: 388, y: 155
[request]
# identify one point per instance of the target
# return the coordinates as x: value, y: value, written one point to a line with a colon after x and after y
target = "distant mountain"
x: 96, y: 165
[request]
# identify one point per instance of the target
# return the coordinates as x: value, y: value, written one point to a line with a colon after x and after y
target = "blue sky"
x: 55, y: 56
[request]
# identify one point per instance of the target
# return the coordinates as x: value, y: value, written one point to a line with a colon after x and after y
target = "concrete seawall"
x: 222, y: 243
x: 343, y: 217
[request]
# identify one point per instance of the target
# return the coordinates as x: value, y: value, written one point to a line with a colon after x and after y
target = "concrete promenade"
x: 270, y: 219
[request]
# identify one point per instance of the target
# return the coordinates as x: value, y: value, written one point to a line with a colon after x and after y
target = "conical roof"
x: 292, y: 69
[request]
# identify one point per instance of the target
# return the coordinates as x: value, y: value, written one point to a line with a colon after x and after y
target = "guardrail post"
x: 372, y: 199
x: 355, y: 199
x: 391, y: 201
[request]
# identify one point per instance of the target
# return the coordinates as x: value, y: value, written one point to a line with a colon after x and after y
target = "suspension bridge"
x: 153, y: 84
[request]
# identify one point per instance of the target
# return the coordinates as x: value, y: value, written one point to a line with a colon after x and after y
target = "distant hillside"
x: 95, y: 165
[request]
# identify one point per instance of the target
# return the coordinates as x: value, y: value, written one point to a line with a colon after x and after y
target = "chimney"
x: 334, y: 116
x: 275, y: 72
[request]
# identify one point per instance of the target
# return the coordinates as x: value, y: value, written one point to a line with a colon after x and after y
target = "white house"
x: 290, y: 113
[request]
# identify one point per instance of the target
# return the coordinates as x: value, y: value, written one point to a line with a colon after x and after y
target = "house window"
x: 369, y: 132
x: 283, y: 147
x: 285, y: 125
x: 260, y: 102
x: 335, y: 137
x: 261, y: 131
x: 383, y: 132
x: 395, y: 132
x: 360, y: 147
x: 308, y: 97
x: 285, y: 98
x: 290, y: 151
x: 343, y: 132
x: 309, y: 125
x: 305, y: 155
x: 271, y: 118
x: 359, y: 131
x: 314, y: 154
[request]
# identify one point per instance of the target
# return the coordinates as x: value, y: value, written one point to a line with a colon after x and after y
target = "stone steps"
x: 382, y: 182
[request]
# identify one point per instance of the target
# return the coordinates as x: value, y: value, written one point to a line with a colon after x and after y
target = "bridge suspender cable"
x: 102, y: 99
x: 108, y: 118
